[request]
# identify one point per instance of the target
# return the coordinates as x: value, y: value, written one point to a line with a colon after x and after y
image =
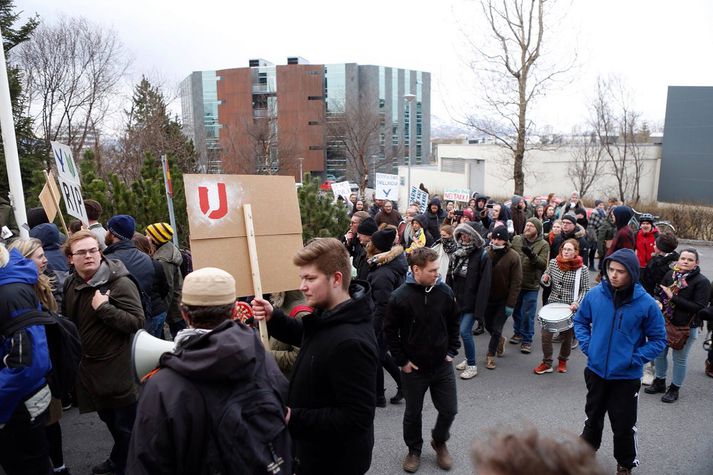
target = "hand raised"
x: 99, y: 299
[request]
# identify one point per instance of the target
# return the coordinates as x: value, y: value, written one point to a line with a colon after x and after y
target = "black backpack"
x: 146, y: 304
x: 64, y: 345
x: 248, y: 429
x: 187, y: 264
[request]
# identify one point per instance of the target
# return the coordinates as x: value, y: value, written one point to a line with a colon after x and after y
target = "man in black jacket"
x: 421, y: 329
x: 332, y: 392
x: 213, y: 357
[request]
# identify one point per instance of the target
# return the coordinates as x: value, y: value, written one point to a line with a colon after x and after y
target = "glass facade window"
x: 335, y: 87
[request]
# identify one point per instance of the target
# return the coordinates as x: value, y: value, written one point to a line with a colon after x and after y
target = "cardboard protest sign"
x: 69, y: 181
x: 341, y: 189
x: 218, y: 233
x: 387, y: 186
x: 456, y: 194
x: 420, y: 197
x: 50, y: 197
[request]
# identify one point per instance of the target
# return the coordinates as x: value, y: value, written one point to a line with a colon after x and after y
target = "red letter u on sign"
x: 222, y: 208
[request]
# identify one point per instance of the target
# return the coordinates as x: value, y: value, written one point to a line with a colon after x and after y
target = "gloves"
x: 528, y: 252
x: 508, y: 311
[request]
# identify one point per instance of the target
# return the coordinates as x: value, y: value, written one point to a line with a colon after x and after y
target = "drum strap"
x: 577, y: 276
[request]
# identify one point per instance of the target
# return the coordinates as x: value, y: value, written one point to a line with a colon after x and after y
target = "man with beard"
x: 332, y: 395
x: 517, y: 213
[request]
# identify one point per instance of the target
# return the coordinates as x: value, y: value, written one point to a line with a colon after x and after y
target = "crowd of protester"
x: 400, y: 292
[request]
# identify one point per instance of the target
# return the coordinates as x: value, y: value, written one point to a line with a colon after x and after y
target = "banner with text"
x: 456, y: 194
x: 341, y: 189
x: 418, y: 196
x: 387, y: 186
x: 69, y: 181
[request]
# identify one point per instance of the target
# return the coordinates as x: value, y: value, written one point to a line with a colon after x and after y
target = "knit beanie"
x: 570, y: 217
x: 160, y: 232
x: 367, y: 227
x: 501, y: 232
x: 122, y: 226
x: 537, y: 223
x: 384, y: 239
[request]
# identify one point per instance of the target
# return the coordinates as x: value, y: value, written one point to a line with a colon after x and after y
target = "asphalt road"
x: 673, y: 438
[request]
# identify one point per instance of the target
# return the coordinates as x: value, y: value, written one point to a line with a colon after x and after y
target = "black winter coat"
x: 472, y: 292
x: 141, y: 267
x: 387, y: 272
x: 333, y: 388
x: 690, y: 299
x: 422, y: 326
x: 655, y: 270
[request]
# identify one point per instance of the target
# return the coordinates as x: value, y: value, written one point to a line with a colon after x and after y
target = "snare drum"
x: 556, y: 317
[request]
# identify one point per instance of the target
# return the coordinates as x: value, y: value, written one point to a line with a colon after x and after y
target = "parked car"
x: 326, y: 185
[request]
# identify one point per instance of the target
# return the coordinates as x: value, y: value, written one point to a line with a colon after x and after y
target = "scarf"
x: 569, y: 264
x: 679, y: 282
x: 458, y: 267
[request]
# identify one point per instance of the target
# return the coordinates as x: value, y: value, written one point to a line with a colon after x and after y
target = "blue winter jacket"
x: 619, y: 340
x: 26, y: 374
x: 48, y: 233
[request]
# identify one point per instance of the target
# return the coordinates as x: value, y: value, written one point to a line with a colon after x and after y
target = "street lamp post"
x: 409, y: 101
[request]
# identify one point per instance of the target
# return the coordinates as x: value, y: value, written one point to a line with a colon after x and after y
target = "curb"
x: 695, y: 242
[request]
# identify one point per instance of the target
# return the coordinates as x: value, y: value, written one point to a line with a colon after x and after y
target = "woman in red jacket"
x: 645, y: 239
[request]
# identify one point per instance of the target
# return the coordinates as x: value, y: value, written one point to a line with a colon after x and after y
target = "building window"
x: 316, y: 147
x: 315, y: 98
x: 313, y: 122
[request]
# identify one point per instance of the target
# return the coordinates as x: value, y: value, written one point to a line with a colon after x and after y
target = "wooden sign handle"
x: 55, y: 200
x: 254, y: 267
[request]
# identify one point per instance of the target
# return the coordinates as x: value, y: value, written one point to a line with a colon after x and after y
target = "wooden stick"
x: 254, y: 266
x: 56, y: 204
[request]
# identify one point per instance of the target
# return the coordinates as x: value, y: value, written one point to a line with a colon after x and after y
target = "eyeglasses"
x: 84, y: 252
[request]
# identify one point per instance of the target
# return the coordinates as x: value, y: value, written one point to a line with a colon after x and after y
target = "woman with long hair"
x: 568, y: 278
x: 683, y: 292
x: 31, y: 248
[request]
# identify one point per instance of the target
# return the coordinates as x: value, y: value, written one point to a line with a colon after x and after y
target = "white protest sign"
x: 69, y: 182
x: 386, y: 186
x: 420, y: 197
x: 456, y: 194
x: 341, y: 189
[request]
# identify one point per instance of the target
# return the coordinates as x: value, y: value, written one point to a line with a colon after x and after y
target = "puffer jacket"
x: 170, y: 258
x: 105, y: 377
x: 620, y: 330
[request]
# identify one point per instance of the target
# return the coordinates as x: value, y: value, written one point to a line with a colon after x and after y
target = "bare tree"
x: 588, y: 164
x: 510, y: 68
x: 72, y: 69
x: 618, y: 129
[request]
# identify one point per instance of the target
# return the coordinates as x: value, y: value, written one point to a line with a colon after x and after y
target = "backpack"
x: 65, y: 347
x: 187, y: 264
x: 145, y: 297
x: 248, y: 431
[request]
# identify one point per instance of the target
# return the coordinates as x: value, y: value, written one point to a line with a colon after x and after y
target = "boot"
x: 657, y: 386
x: 380, y: 401
x: 621, y: 470
x: 671, y: 395
x: 490, y: 362
x: 398, y: 397
x: 412, y: 462
x: 443, y: 457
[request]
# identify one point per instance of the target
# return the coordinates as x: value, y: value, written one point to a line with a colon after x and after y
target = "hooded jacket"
x: 25, y: 353
x: 624, y: 237
x: 421, y: 324
x: 620, y: 330
x: 434, y: 219
x: 532, y: 267
x: 173, y: 423
x: 105, y: 378
x: 49, y: 235
x: 472, y: 289
x: 170, y: 259
x: 332, y: 392
x: 387, y: 271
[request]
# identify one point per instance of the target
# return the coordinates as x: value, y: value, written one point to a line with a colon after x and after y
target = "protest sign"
x: 387, y: 186
x: 69, y: 182
x: 420, y: 197
x: 49, y: 197
x: 218, y: 229
x: 456, y: 194
x: 341, y: 189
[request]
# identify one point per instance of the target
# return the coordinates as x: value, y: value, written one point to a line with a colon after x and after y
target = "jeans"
x: 154, y: 325
x: 442, y: 383
x: 466, y: 333
x: 494, y: 322
x: 619, y: 398
x: 23, y: 444
x: 524, y: 315
x: 680, y: 361
x: 120, y: 422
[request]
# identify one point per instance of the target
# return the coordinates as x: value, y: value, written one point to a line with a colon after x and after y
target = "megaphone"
x: 145, y: 353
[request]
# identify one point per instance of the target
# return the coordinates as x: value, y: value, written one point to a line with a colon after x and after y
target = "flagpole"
x: 12, y: 161
x: 169, y: 197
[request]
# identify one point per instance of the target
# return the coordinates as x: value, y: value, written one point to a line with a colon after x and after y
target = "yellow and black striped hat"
x: 160, y: 232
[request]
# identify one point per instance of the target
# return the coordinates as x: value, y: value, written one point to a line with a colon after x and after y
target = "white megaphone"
x: 145, y: 353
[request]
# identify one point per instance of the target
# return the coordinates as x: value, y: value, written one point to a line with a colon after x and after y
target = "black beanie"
x: 367, y: 227
x: 570, y: 217
x: 384, y: 239
x: 501, y: 232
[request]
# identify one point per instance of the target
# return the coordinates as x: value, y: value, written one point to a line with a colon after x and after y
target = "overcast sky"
x: 649, y: 44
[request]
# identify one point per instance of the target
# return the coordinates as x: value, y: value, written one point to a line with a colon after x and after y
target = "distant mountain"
x: 447, y: 128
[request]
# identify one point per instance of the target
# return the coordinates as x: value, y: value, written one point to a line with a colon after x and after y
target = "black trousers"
x: 619, y: 398
x: 442, y: 383
x: 120, y: 422
x: 388, y: 364
x: 23, y: 444
x: 494, y: 322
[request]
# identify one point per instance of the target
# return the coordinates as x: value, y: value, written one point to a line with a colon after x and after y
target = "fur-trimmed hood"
x: 379, y: 259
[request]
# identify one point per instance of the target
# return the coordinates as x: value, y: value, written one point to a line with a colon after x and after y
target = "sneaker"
x: 526, y: 348
x: 562, y: 366
x: 490, y: 362
x: 62, y: 471
x: 412, y: 462
x: 516, y: 339
x: 543, y: 368
x: 469, y: 372
x: 622, y: 470
x: 104, y: 468
x: 501, y: 347
x: 461, y: 366
x: 649, y: 375
x: 443, y: 457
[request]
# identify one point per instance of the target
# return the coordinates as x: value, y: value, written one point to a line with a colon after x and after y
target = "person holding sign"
x: 332, y: 395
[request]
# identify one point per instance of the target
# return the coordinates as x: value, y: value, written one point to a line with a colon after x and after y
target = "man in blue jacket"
x: 620, y: 328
